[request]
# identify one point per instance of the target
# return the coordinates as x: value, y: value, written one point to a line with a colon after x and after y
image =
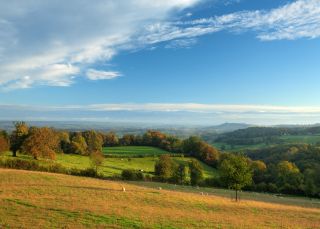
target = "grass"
x: 133, y: 151
x: 114, y: 166
x: 42, y: 200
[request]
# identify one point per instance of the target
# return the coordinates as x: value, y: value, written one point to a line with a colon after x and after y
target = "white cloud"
x: 52, y: 42
x: 101, y: 75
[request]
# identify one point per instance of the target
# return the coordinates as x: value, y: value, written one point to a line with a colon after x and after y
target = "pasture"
x: 43, y: 200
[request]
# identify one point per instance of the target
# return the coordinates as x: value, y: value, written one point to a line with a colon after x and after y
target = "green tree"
x: 289, y: 179
x: 235, y: 172
x: 164, y: 167
x: 18, y: 136
x: 78, y: 145
x: 181, y: 174
x: 196, y: 172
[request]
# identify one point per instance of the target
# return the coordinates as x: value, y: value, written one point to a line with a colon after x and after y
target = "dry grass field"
x: 43, y: 200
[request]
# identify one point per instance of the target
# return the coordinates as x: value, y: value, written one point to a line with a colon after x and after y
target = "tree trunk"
x: 236, y: 195
x: 14, y: 153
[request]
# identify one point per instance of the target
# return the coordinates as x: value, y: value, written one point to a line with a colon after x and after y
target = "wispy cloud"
x: 53, y: 42
x: 101, y: 75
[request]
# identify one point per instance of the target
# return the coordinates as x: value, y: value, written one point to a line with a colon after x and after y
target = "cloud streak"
x: 183, y: 113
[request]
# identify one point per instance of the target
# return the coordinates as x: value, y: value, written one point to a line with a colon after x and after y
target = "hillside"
x: 43, y: 200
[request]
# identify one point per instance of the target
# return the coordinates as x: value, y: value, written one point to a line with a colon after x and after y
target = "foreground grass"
x: 42, y: 200
x: 263, y: 197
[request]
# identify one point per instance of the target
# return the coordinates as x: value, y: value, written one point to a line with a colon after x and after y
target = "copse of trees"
x: 194, y: 146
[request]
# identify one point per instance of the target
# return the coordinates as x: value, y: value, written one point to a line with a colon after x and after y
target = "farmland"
x: 42, y: 200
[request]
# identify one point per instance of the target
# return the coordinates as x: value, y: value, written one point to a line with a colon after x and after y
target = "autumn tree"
x: 194, y: 146
x: 110, y: 139
x: 18, y: 136
x: 235, y: 172
x: 41, y: 142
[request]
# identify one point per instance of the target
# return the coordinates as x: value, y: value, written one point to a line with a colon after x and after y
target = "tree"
x: 94, y: 141
x: 4, y: 142
x: 289, y: 179
x: 259, y: 169
x: 78, y: 145
x: 180, y: 174
x: 127, y: 140
x: 235, y: 172
x: 110, y: 139
x: 194, y: 146
x: 164, y: 167
x: 97, y: 159
x: 196, y: 172
x: 18, y: 136
x: 64, y: 141
x: 41, y: 142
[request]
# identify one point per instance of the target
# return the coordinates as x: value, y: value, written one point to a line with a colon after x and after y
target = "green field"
x: 114, y: 165
x: 133, y: 151
x: 307, y: 139
x: 43, y: 200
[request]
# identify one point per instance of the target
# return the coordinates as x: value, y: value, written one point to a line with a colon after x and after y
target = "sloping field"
x: 43, y: 200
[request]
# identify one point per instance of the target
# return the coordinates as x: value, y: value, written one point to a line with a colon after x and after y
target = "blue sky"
x: 200, y: 61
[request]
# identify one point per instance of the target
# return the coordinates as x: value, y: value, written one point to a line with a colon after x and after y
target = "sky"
x: 162, y: 61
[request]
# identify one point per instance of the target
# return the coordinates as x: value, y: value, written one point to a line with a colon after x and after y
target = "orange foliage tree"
x: 41, y: 142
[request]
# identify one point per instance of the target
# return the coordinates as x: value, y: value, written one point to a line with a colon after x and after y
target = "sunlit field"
x: 42, y: 200
x: 115, y: 165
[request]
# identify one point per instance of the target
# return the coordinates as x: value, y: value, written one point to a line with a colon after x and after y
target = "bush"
x: 132, y: 175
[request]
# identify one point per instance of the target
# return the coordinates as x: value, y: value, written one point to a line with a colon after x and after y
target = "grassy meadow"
x: 114, y: 165
x: 43, y: 200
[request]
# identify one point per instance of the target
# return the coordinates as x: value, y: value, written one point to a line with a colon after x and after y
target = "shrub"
x: 132, y: 175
